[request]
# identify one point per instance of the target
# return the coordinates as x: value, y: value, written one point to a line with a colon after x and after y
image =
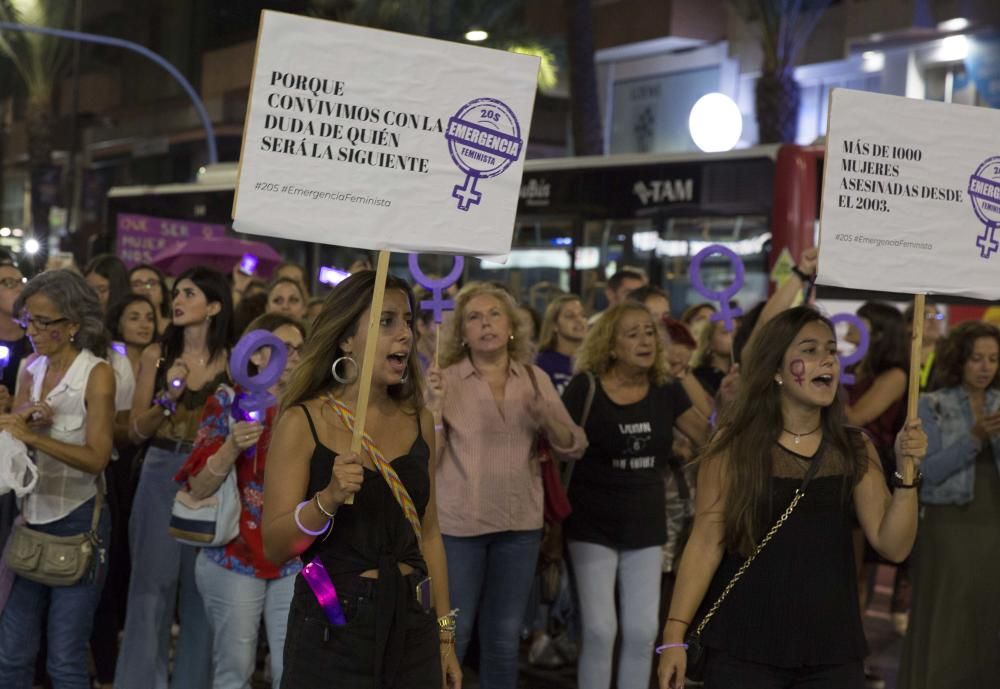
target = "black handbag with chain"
x: 696, y: 656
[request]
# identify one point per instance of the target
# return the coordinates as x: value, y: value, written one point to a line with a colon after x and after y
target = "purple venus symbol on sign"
x: 984, y: 193
x: 484, y: 139
x: 437, y: 303
x: 859, y: 351
x: 726, y: 313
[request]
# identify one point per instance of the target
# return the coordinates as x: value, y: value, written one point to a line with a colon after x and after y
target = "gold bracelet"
x: 328, y: 515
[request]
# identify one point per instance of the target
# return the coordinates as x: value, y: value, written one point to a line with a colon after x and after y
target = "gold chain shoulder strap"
x: 799, y: 494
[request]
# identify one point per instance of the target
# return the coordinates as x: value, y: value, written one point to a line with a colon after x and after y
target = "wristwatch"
x: 806, y: 279
x: 897, y: 480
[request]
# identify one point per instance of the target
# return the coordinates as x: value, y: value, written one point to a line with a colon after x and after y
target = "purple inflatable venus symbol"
x: 437, y: 303
x: 726, y: 313
x: 859, y: 351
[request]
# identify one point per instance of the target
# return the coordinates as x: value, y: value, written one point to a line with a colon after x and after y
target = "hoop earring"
x: 343, y: 380
x: 406, y: 376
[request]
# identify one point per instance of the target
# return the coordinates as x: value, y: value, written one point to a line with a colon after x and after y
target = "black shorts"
x: 723, y: 671
x: 319, y: 655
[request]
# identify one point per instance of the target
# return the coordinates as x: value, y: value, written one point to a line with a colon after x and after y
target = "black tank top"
x: 797, y: 604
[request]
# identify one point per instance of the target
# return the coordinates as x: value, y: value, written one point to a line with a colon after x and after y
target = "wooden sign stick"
x: 368, y: 365
x: 916, y: 356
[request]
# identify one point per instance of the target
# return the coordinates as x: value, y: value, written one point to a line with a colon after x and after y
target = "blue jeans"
x: 162, y: 579
x: 234, y: 603
x: 637, y: 573
x: 66, y: 611
x: 491, y: 575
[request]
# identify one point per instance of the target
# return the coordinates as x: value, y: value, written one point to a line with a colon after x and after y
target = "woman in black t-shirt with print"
x: 618, y: 526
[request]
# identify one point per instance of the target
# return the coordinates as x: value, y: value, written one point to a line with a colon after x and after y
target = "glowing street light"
x: 31, y: 246
x: 715, y: 123
x: 476, y: 35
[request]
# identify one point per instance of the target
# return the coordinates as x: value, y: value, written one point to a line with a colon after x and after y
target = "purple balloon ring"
x: 859, y: 352
x: 438, y: 304
x: 726, y: 313
x: 239, y: 360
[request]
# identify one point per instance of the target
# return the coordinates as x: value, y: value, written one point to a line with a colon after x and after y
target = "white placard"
x: 911, y: 197
x: 378, y: 140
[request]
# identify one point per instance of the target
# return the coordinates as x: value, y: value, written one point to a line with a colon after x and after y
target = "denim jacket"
x: 949, y: 467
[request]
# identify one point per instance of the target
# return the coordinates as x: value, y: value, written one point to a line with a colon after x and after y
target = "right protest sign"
x: 911, y: 197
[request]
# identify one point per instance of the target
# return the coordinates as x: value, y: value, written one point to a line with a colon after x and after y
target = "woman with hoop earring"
x: 371, y: 606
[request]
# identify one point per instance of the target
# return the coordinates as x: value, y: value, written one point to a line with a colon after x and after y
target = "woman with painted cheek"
x: 784, y: 461
x: 957, y: 564
x: 286, y: 297
x: 177, y: 376
x: 64, y: 413
x: 490, y: 407
x: 150, y: 282
x: 239, y: 585
x: 618, y: 526
x: 366, y: 525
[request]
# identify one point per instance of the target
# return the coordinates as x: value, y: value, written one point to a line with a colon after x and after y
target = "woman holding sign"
x: 784, y: 476
x: 237, y: 582
x: 365, y: 524
x: 955, y: 618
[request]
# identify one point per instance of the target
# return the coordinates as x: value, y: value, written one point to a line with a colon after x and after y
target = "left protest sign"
x: 409, y: 143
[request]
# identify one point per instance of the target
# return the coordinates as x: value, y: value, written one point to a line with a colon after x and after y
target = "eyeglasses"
x: 12, y: 283
x: 293, y: 349
x: 42, y: 324
x: 145, y: 284
x: 934, y: 317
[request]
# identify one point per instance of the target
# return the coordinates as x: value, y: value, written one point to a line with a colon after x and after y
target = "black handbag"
x: 696, y: 656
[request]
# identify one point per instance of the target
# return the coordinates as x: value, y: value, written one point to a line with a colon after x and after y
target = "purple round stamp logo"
x: 984, y: 193
x: 484, y: 138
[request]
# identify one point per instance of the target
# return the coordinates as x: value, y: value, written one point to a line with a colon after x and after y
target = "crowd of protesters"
x: 701, y: 463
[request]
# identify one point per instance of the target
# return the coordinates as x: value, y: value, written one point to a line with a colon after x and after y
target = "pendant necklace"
x: 797, y: 437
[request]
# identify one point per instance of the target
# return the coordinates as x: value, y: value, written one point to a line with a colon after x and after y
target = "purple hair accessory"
x: 726, y: 313
x: 322, y: 587
x: 859, y: 351
x: 437, y: 303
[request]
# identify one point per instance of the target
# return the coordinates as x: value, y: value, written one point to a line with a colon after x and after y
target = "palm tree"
x: 588, y: 138
x: 786, y: 26
x: 41, y: 62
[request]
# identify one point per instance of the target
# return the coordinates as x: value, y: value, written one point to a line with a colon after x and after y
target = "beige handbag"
x: 54, y: 560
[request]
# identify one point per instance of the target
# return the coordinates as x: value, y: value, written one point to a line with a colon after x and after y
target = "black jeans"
x: 723, y: 671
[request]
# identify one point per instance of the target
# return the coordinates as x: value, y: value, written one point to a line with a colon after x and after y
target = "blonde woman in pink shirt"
x: 489, y: 410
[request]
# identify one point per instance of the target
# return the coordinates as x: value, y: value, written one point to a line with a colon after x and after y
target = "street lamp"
x: 476, y: 35
x: 715, y: 123
x: 31, y: 246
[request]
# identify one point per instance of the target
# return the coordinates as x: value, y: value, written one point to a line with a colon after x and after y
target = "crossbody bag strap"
x: 800, y: 493
x: 95, y: 520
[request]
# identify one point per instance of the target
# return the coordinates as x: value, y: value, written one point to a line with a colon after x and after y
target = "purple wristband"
x: 302, y: 528
x: 661, y: 649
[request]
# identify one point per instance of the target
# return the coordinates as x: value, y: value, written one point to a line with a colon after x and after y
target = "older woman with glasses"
x: 64, y: 413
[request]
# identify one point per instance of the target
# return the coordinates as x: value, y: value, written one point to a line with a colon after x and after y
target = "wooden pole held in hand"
x: 916, y: 356
x: 368, y: 364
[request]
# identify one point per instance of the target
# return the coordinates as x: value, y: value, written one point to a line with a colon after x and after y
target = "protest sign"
x: 377, y: 140
x: 911, y: 202
x: 911, y: 197
x: 140, y: 237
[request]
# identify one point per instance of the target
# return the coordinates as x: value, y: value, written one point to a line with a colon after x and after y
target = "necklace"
x: 799, y: 436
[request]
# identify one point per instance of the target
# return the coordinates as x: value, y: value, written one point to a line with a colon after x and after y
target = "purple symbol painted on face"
x: 437, y: 303
x: 484, y: 139
x: 984, y: 193
x: 859, y: 352
x: 726, y: 314
x: 798, y: 369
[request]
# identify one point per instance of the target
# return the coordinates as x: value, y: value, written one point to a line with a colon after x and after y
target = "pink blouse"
x: 489, y: 476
